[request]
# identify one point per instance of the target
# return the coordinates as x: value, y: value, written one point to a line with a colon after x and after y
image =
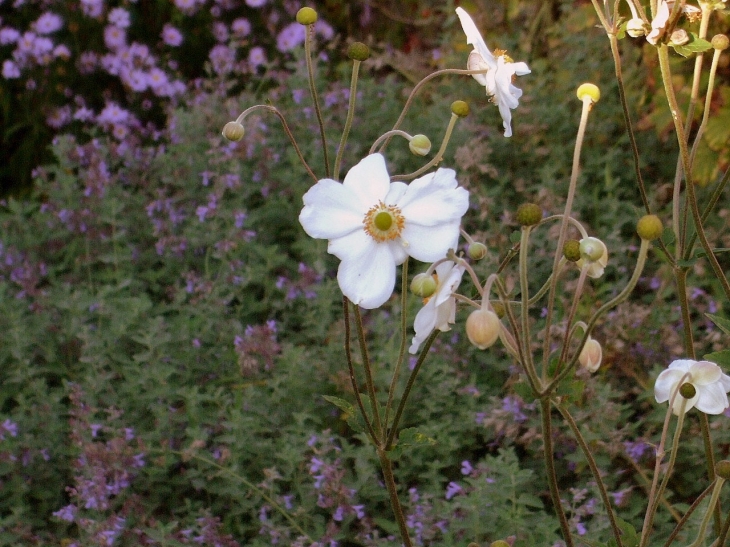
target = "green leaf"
x: 349, y: 413
x: 409, y: 437
x: 695, y: 45
x: 722, y: 358
x: 523, y: 389
x: 721, y: 323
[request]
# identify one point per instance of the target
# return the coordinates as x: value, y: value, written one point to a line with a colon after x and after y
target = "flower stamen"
x: 383, y: 222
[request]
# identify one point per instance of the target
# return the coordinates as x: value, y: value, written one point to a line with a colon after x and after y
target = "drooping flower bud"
x: 591, y: 355
x: 594, y: 253
x: 635, y: 27
x: 482, y: 328
x: 423, y: 285
x: 649, y: 227
x: 477, y: 250
x: 420, y: 145
x: 571, y: 250
x: 722, y: 469
x: 528, y: 214
x: 306, y: 16
x: 460, y: 108
x: 233, y: 131
x: 358, y: 51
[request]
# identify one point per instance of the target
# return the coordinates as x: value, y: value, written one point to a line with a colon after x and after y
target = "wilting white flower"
x: 373, y: 224
x: 659, y: 22
x: 710, y: 383
x: 591, y: 355
x: 500, y: 71
x: 594, y: 253
x: 439, y: 310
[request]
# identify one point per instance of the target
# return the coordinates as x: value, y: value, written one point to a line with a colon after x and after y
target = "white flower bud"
x: 635, y: 27
x: 482, y: 328
x: 591, y: 355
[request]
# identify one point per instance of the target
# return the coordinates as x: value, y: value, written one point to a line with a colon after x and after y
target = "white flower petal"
x: 666, y: 383
x: 369, y: 180
x: 331, y: 210
x: 430, y: 243
x: 434, y: 199
x: 367, y: 277
x: 705, y: 373
x: 474, y: 37
x: 712, y: 399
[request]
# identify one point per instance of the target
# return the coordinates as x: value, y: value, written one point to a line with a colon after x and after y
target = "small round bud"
x: 591, y: 249
x: 499, y: 543
x: 528, y: 214
x: 420, y: 145
x: 591, y: 355
x: 720, y: 41
x: 233, y: 131
x: 482, y: 328
x: 477, y: 251
x: 589, y: 92
x: 460, y: 108
x: 722, y: 469
x: 571, y: 250
x: 306, y: 16
x: 649, y: 227
x: 358, y: 51
x: 679, y: 37
x: 635, y: 28
x: 687, y: 390
x: 423, y: 285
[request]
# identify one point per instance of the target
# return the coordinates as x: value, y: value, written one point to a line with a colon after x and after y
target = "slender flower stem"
x: 685, y: 517
x: 439, y: 155
x: 680, y: 277
x: 708, y: 101
x: 288, y: 132
x: 315, y: 99
x: 387, y: 135
x: 714, y: 501
x: 368, y: 373
x: 348, y: 120
x: 387, y: 469
x: 351, y: 367
x: 547, y: 441
x: 402, y: 349
x: 569, y: 321
x: 525, y: 299
x: 564, y: 229
x: 716, y: 194
x: 596, y: 473
x: 710, y: 460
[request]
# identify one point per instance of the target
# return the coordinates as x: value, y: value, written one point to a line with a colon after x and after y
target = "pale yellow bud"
x: 635, y: 28
x: 588, y: 91
x: 420, y: 145
x: 591, y: 355
x: 482, y: 328
x: 233, y: 131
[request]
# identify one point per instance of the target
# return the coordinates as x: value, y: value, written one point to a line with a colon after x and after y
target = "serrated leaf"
x: 343, y: 405
x: 409, y: 437
x: 721, y: 323
x: 722, y: 358
x: 695, y: 45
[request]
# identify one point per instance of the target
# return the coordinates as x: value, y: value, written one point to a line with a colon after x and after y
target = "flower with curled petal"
x: 710, y: 383
x: 439, y: 309
x: 374, y: 225
x: 500, y: 71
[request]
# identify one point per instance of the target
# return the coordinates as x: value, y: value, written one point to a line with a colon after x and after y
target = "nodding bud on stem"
x: 591, y: 355
x: 528, y: 214
x: 649, y: 227
x: 233, y: 131
x: 687, y: 390
x: 420, y: 145
x: 720, y: 41
x: 589, y: 92
x: 477, y: 251
x: 482, y: 328
x: 306, y: 16
x: 358, y: 51
x: 722, y: 469
x: 460, y: 108
x: 571, y: 250
x: 423, y: 285
x: 635, y: 27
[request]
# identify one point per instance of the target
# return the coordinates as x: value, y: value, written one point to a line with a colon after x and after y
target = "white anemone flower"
x: 439, y: 310
x: 710, y: 383
x: 594, y: 254
x: 500, y: 71
x: 659, y: 22
x: 374, y: 225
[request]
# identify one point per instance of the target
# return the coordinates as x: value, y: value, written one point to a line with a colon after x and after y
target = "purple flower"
x: 119, y: 17
x: 47, y: 23
x: 8, y: 36
x: 452, y: 489
x: 67, y: 513
x: 220, y: 31
x: 10, y: 70
x: 241, y: 27
x: 95, y: 428
x: 171, y: 36
x: 466, y: 468
x: 256, y: 57
x: 92, y: 8
x: 255, y: 3
x: 290, y: 37
x: 222, y: 58
x: 10, y: 427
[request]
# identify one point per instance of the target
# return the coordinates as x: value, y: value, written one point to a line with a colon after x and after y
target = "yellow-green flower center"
x: 383, y: 222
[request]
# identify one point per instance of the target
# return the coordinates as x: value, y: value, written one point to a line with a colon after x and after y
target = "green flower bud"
x: 687, y: 390
x: 482, y: 328
x: 306, y: 16
x: 649, y: 227
x: 233, y: 131
x: 423, y: 285
x: 477, y: 251
x: 358, y: 51
x: 460, y: 108
x: 589, y: 91
x: 499, y: 543
x: 722, y: 469
x: 571, y: 250
x: 720, y: 41
x: 420, y: 145
x: 528, y: 214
